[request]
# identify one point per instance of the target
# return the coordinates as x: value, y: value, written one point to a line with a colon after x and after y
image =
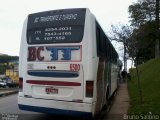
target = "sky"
x: 14, y: 12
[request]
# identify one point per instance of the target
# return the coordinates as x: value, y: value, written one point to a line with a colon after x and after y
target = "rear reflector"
x: 57, y: 83
x: 20, y: 84
x: 89, y: 88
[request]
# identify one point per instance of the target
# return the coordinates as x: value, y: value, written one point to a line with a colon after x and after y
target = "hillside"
x: 150, y: 84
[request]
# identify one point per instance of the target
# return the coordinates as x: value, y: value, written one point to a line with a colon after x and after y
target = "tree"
x: 7, y: 59
x: 2, y: 69
x: 122, y: 33
x: 157, y: 48
x: 4, y: 60
x: 128, y: 36
x: 142, y: 14
x: 145, y: 37
x: 142, y: 11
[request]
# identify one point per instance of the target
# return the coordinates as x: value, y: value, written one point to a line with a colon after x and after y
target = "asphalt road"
x: 9, y: 109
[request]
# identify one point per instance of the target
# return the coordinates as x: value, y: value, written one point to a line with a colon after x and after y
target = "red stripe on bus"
x: 57, y: 83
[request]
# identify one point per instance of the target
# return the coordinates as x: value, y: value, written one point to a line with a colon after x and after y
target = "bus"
x: 67, y: 65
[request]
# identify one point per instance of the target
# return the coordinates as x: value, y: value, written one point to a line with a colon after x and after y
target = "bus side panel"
x: 93, y: 63
x: 100, y: 85
x: 114, y: 76
x: 23, y: 56
x: 90, y: 59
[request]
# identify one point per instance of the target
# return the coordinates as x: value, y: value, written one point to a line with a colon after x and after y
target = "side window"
x: 104, y: 46
x: 98, y: 40
x: 111, y: 54
x: 116, y: 57
x: 107, y: 49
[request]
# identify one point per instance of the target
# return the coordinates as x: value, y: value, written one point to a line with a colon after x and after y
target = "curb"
x: 8, y: 89
x: 8, y: 93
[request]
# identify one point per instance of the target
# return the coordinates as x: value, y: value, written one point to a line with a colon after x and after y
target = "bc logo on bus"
x: 56, y: 53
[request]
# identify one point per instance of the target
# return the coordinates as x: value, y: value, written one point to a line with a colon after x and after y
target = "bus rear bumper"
x: 55, y: 107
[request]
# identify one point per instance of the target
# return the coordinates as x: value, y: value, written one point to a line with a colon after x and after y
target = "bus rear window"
x: 60, y: 26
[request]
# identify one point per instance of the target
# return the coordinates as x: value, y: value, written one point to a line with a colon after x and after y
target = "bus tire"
x: 107, y: 102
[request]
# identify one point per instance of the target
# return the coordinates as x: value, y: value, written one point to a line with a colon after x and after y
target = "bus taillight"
x: 89, y: 88
x: 20, y: 84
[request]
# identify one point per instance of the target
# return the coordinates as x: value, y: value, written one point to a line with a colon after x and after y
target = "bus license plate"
x: 51, y: 90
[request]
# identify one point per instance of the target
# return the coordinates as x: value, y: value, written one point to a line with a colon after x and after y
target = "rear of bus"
x: 56, y: 67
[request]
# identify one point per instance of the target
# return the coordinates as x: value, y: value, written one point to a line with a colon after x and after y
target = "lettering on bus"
x: 34, y: 53
x: 55, y: 18
x: 62, y: 26
x: 53, y: 35
x: 57, y: 33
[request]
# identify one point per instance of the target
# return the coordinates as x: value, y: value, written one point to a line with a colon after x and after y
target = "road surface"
x: 9, y: 109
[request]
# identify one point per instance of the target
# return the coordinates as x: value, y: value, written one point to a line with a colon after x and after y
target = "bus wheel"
x: 88, y: 117
x: 107, y: 102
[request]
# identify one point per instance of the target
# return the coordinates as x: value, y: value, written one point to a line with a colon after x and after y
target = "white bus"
x: 67, y: 65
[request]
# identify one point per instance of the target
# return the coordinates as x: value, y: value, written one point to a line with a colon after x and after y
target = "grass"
x: 150, y: 84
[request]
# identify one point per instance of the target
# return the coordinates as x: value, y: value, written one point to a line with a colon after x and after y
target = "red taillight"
x: 20, y: 84
x: 89, y: 88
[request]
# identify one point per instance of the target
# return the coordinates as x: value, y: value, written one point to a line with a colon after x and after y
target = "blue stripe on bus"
x: 54, y: 111
x: 53, y: 73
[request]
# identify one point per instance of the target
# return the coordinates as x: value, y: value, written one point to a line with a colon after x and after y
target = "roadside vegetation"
x: 150, y: 84
x: 5, y: 61
x: 140, y: 39
x: 141, y: 43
